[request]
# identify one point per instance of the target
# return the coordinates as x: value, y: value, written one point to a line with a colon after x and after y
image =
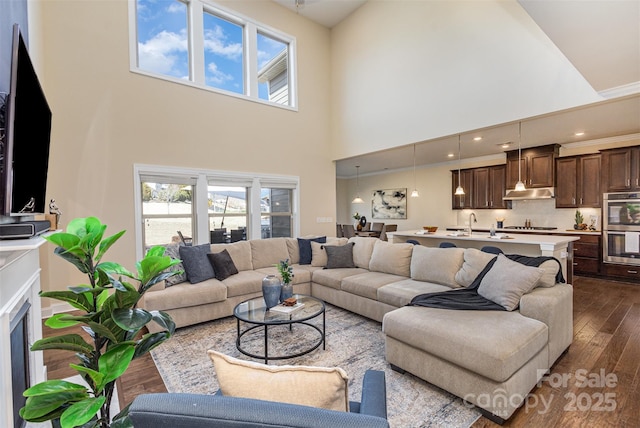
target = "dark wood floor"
x: 605, y: 350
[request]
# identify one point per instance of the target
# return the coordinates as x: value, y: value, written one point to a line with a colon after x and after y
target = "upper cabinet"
x: 537, y: 166
x: 578, y: 181
x: 484, y: 188
x: 621, y: 169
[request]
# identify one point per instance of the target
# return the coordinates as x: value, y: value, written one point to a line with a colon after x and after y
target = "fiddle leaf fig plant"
x: 111, y: 318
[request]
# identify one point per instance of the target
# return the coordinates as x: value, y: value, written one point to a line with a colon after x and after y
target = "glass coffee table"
x: 254, y: 312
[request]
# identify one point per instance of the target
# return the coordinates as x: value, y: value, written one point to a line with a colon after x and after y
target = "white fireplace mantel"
x: 19, y: 283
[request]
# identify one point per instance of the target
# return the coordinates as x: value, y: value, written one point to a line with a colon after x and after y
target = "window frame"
x: 251, y: 28
x: 203, y: 178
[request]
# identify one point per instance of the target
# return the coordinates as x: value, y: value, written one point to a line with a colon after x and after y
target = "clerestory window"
x: 200, y: 43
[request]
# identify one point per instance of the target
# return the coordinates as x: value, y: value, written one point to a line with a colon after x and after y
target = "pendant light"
x: 459, y: 189
x: 519, y: 185
x: 357, y: 199
x: 415, y: 193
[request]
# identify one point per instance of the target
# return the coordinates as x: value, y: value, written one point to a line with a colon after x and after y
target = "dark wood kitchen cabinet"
x: 489, y: 186
x: 578, y: 182
x: 586, y: 255
x: 621, y: 169
x: 537, y: 166
x: 465, y: 201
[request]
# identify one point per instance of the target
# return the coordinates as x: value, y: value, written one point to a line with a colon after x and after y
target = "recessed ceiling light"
x: 477, y: 138
x: 450, y: 155
x: 505, y: 145
x: 579, y: 134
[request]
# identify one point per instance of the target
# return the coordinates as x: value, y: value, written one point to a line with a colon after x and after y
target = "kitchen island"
x: 560, y: 247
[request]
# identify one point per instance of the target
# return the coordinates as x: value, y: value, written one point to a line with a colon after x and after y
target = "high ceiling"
x: 593, y: 35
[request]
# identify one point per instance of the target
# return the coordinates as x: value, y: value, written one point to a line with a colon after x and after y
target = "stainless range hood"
x: 523, y: 195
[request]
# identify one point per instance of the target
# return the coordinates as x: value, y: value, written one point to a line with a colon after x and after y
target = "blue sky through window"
x: 163, y: 45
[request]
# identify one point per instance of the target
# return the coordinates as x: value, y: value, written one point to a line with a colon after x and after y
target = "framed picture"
x: 593, y: 222
x: 389, y: 204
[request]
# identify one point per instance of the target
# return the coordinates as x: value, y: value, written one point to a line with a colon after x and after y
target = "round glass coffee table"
x: 255, y: 313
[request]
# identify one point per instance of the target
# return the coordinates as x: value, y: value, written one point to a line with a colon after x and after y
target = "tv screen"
x: 25, y: 160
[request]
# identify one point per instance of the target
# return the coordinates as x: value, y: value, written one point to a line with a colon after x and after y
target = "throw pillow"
x: 339, y: 256
x: 196, y: 263
x: 222, y: 263
x: 474, y: 262
x: 362, y: 250
x: 552, y: 268
x: 318, y: 255
x: 437, y: 265
x: 173, y: 251
x: 319, y: 387
x: 507, y: 281
x: 304, y: 246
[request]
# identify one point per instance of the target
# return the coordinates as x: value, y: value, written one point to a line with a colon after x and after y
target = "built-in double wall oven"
x: 621, y: 228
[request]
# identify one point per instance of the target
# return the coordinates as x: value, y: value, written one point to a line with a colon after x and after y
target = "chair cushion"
x: 222, y: 263
x: 438, y: 265
x: 507, y: 281
x: 391, y: 258
x: 196, y: 263
x: 305, y: 385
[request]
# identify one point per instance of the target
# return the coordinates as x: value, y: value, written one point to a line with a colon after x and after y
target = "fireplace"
x: 20, y: 326
x: 20, y: 377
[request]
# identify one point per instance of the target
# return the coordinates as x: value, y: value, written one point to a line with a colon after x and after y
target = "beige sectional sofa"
x: 492, y: 359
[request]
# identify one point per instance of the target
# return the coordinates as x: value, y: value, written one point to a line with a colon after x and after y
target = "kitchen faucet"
x: 475, y: 220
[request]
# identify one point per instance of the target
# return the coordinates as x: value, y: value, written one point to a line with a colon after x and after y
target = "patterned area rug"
x: 353, y: 343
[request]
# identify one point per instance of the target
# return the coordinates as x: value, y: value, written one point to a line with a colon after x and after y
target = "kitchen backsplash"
x: 542, y: 212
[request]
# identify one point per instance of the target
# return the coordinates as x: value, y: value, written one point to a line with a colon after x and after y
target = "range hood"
x: 537, y: 193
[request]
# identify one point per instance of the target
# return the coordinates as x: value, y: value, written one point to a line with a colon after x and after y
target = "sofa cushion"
x: 245, y: 282
x: 196, y: 263
x: 185, y: 295
x: 222, y: 263
x: 507, y: 281
x: 474, y: 262
x: 339, y: 256
x: 294, y: 250
x: 333, y: 277
x: 240, y: 253
x: 173, y: 251
x: 301, y: 275
x: 320, y: 387
x: 304, y: 246
x: 502, y: 341
x: 362, y: 250
x: 400, y: 293
x: 367, y: 284
x: 268, y: 252
x: 438, y: 265
x: 391, y: 258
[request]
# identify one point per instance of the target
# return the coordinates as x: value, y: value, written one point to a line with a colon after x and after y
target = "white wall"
x: 408, y: 71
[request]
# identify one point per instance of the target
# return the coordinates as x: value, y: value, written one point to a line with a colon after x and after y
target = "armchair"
x: 178, y: 410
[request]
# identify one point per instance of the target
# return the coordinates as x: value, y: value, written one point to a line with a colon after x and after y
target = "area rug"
x: 353, y: 343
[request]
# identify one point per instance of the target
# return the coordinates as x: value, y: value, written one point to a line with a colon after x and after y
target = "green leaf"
x: 81, y: 412
x: 78, y: 301
x: 96, y: 376
x: 102, y: 330
x: 164, y: 320
x: 61, y: 239
x: 76, y: 256
x: 47, y: 397
x: 122, y: 420
x: 58, y: 321
x: 115, y: 361
x: 67, y: 342
x: 52, y: 386
x: 107, y: 243
x: 115, y: 269
x: 150, y: 341
x: 131, y: 319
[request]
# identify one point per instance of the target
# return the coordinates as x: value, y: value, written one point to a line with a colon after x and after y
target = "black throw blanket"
x: 468, y: 298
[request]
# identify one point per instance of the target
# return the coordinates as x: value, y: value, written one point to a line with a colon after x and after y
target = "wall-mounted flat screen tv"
x: 24, y: 160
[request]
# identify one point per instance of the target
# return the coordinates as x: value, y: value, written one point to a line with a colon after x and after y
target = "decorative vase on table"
x: 271, y: 288
x: 286, y: 292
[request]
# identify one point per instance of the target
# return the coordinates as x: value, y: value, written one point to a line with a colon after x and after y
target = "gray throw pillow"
x: 339, y: 256
x: 173, y: 251
x: 196, y: 263
x: 507, y: 281
x: 223, y: 265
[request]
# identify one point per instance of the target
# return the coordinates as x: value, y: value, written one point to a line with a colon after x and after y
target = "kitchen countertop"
x: 532, y: 231
x: 542, y: 239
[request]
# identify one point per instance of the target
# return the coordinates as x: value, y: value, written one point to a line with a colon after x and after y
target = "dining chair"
x: 339, y: 232
x: 348, y: 230
x: 377, y: 228
x: 491, y: 249
x: 237, y: 235
x: 217, y: 236
x: 447, y: 245
x: 187, y: 241
x: 387, y: 228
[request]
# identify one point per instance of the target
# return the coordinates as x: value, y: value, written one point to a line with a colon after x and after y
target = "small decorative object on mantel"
x: 362, y: 223
x: 54, y: 214
x: 286, y: 273
x: 356, y: 217
x: 271, y: 288
x: 580, y: 224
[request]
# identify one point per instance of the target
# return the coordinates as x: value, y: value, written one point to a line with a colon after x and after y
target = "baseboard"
x: 56, y: 308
